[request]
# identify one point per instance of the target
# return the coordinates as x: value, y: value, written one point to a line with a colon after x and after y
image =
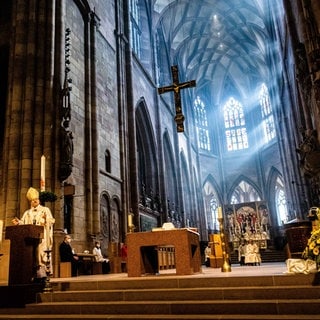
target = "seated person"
x: 252, y: 255
x: 67, y: 255
x: 100, y: 258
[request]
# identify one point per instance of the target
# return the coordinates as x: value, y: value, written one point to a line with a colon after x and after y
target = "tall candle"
x: 43, y: 173
x: 130, y: 220
x: 219, y: 213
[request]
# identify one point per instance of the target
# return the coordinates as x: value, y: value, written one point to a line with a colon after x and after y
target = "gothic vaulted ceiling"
x: 222, y: 44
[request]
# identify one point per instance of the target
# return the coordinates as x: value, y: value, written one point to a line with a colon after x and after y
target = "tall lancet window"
x: 235, y: 126
x: 201, y: 124
x: 135, y: 27
x: 267, y: 116
x: 281, y: 202
x: 211, y: 207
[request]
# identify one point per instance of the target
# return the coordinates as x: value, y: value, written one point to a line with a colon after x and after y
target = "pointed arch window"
x: 235, y: 126
x: 244, y: 192
x: 211, y: 205
x: 135, y: 27
x: 281, y: 202
x: 201, y: 124
x: 214, y: 223
x: 267, y: 115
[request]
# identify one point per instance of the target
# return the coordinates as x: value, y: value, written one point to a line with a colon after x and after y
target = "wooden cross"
x: 176, y: 87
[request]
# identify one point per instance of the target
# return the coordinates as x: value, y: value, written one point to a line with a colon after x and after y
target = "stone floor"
x: 276, y: 268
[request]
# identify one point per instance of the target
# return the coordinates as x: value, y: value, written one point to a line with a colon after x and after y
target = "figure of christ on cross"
x: 176, y: 87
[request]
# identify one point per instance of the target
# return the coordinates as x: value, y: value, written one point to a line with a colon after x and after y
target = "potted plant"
x: 47, y: 196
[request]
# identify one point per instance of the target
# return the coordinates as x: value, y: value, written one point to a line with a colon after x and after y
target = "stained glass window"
x: 135, y: 27
x: 281, y: 202
x: 201, y: 124
x: 234, y: 123
x: 267, y: 116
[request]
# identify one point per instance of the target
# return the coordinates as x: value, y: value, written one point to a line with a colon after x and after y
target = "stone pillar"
x: 27, y: 137
x: 95, y: 215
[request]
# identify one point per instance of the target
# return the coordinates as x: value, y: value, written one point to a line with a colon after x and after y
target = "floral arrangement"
x: 312, y: 250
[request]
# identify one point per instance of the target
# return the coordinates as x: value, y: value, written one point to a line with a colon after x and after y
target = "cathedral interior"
x: 160, y: 111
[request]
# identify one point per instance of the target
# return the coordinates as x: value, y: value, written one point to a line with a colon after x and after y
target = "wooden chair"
x: 65, y: 270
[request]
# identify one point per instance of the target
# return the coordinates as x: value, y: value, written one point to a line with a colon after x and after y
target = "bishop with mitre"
x: 41, y: 216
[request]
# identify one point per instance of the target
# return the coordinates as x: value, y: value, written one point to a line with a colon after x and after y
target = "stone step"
x: 205, y: 307
x: 174, y: 294
x: 143, y: 283
x: 164, y: 317
x: 226, y: 296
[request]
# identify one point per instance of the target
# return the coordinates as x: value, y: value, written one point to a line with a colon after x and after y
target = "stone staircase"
x: 267, y: 256
x: 281, y: 296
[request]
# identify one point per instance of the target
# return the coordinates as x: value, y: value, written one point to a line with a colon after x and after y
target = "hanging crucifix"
x: 176, y: 87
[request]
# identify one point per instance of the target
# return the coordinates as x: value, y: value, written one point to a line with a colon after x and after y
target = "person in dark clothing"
x: 67, y: 254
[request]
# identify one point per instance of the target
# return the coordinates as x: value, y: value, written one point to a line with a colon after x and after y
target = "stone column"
x: 95, y: 216
x: 27, y: 134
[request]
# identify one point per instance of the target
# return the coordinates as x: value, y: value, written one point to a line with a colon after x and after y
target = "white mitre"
x: 32, y: 194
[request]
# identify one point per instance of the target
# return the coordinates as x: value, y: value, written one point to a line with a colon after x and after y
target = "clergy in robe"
x: 100, y: 258
x: 41, y: 216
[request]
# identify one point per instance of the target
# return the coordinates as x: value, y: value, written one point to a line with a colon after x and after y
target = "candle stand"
x: 48, y: 286
x: 225, y: 256
x: 131, y: 228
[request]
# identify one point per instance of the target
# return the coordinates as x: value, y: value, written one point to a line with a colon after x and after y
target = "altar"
x: 143, y: 257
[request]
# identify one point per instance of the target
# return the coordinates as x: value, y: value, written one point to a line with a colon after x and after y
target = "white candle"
x: 43, y: 173
x: 130, y: 220
x: 219, y: 213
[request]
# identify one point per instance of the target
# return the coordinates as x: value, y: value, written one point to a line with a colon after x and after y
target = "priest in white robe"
x: 41, y: 216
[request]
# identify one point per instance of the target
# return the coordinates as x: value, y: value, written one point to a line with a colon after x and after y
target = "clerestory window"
x: 201, y: 124
x: 235, y: 126
x: 135, y: 27
x: 267, y: 115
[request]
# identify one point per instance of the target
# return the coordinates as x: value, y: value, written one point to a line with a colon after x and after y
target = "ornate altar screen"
x: 247, y: 221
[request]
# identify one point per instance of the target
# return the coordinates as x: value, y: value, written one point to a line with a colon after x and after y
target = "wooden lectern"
x: 24, y: 242
x: 297, y: 234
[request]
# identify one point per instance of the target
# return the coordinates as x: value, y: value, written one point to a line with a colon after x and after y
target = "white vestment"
x: 41, y: 216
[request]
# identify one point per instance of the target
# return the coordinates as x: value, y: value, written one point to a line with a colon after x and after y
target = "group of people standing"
x: 249, y: 253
